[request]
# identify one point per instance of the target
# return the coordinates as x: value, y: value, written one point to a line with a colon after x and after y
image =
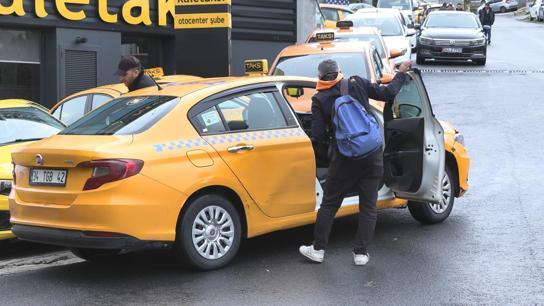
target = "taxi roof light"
x: 324, y: 37
x: 256, y: 67
x: 344, y: 24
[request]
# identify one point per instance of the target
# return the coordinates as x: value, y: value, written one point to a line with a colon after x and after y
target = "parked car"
x: 332, y: 13
x: 405, y: 6
x: 534, y: 9
x: 357, y: 6
x: 501, y: 6
x: 21, y: 122
x: 394, y: 32
x: 541, y: 13
x: 452, y: 36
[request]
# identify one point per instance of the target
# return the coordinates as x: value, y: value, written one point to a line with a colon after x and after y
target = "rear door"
x: 414, y: 153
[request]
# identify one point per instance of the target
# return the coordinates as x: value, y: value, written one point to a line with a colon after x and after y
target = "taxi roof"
x: 8, y: 103
x: 330, y: 47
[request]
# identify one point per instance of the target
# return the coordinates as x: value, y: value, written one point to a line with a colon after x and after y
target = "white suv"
x: 534, y: 8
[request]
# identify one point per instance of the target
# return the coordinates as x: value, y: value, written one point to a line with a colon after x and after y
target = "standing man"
x: 131, y: 73
x: 459, y: 7
x: 346, y: 174
x: 487, y: 18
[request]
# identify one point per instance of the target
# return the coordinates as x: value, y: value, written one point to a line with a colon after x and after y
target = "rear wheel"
x: 503, y: 9
x: 96, y: 255
x: 209, y: 233
x: 430, y: 213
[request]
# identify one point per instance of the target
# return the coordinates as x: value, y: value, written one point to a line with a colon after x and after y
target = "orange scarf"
x: 322, y: 85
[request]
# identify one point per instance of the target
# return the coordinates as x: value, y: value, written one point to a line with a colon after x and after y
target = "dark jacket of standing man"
x: 487, y: 18
x: 346, y: 174
x: 131, y: 73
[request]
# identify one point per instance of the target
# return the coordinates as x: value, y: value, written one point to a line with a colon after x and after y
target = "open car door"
x: 414, y: 153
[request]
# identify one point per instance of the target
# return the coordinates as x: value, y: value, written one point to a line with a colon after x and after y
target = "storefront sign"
x: 203, y: 20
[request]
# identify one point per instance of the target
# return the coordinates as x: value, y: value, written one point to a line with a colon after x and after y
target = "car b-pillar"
x: 203, y: 37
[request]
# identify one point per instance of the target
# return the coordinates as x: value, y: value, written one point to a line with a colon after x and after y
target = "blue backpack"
x: 357, y: 132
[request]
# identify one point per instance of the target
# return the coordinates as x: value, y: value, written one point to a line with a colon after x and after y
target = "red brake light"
x: 110, y: 170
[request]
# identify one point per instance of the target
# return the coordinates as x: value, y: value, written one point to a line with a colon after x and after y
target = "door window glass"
x: 378, y: 64
x: 73, y: 109
x: 330, y: 14
x: 209, y: 122
x: 408, y: 103
x: 252, y: 112
x: 98, y: 100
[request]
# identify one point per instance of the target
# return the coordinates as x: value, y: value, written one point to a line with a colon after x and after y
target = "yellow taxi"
x: 76, y: 105
x: 21, y: 122
x: 357, y: 58
x: 333, y: 13
x: 346, y: 32
x: 199, y: 166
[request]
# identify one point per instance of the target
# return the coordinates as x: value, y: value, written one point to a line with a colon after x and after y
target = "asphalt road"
x: 490, y: 250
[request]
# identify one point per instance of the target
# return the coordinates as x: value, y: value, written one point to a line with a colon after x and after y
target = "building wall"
x: 247, y: 49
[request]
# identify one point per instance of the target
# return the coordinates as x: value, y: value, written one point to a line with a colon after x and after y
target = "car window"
x: 124, y: 116
x: 73, y: 109
x: 98, y: 100
x: 21, y: 123
x: 330, y: 14
x: 409, y: 102
x: 378, y: 64
x: 209, y: 122
x: 306, y: 65
x: 396, y: 4
x: 389, y: 25
x: 255, y: 111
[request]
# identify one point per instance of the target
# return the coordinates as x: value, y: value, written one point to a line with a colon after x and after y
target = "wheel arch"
x: 451, y: 163
x: 226, y: 192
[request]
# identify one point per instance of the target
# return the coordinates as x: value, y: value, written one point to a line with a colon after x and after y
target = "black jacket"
x: 487, y: 17
x: 141, y: 81
x: 360, y: 89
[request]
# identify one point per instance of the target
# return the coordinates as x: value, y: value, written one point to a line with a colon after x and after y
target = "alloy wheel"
x: 213, y: 232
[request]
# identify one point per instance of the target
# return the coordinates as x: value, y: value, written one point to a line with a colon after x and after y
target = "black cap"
x: 126, y: 63
x: 326, y: 67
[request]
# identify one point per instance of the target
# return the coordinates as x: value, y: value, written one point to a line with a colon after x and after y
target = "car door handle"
x: 240, y: 148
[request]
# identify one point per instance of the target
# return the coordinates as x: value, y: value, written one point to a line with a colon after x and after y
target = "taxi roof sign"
x: 344, y: 24
x: 259, y: 66
x: 154, y: 72
x: 324, y: 37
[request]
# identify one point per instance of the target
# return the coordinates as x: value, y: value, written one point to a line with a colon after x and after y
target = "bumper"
x: 79, y: 239
x: 137, y: 207
x: 5, y: 226
x: 468, y: 53
x: 463, y: 164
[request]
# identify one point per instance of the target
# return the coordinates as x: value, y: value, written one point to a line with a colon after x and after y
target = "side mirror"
x: 295, y: 92
x: 410, y: 32
x: 386, y: 78
x: 394, y: 53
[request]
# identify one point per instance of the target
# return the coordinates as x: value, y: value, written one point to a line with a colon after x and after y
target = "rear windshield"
x: 388, y: 24
x: 306, y: 65
x: 395, y: 4
x: 19, y: 124
x: 123, y: 116
x: 359, y: 37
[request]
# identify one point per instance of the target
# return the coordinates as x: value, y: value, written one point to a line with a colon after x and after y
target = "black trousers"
x: 346, y: 175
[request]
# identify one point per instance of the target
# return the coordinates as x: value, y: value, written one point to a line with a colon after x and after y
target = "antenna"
x: 158, y: 86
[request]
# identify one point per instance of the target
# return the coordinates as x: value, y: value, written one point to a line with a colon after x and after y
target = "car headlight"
x: 478, y: 42
x: 459, y: 138
x: 5, y: 186
x: 426, y: 41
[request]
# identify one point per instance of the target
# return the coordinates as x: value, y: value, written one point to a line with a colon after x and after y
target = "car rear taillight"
x: 110, y: 170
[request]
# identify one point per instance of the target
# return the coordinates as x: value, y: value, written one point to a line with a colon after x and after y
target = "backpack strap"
x: 344, y: 87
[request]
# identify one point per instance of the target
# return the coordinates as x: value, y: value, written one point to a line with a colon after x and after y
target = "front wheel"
x: 430, y: 213
x: 209, y: 233
x: 503, y: 9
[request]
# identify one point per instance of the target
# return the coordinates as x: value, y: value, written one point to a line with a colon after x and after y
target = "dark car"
x: 451, y: 36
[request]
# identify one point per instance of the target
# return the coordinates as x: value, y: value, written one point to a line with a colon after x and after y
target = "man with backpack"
x: 340, y: 116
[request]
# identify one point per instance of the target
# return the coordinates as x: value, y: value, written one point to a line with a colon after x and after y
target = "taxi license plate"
x: 48, y: 177
x: 452, y: 50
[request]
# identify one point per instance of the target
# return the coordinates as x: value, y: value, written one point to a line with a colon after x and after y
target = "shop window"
x: 20, y: 64
x: 147, y: 49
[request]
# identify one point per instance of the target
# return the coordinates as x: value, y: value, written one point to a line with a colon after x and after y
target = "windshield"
x: 388, y: 25
x: 20, y: 124
x: 451, y: 21
x: 306, y: 65
x: 374, y: 38
x: 123, y: 116
x: 395, y: 4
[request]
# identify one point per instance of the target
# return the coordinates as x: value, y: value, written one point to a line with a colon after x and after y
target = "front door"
x: 265, y: 148
x: 414, y: 156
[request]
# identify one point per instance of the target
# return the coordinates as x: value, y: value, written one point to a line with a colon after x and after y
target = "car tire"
x: 420, y: 60
x: 96, y: 255
x: 429, y: 213
x: 503, y: 9
x: 209, y: 233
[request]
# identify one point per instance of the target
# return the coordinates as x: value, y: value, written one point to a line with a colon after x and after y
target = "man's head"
x: 444, y: 5
x: 487, y: 5
x: 459, y: 5
x: 328, y: 70
x: 128, y: 69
